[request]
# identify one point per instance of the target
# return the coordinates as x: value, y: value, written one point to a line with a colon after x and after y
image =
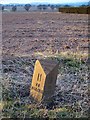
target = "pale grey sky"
x: 51, y: 1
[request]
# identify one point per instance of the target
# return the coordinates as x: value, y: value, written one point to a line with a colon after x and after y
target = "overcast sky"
x: 51, y: 1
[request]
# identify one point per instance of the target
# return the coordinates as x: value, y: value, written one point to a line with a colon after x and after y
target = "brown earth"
x: 26, y: 33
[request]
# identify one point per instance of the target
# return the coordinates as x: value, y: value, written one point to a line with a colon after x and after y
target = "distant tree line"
x: 44, y: 7
x: 28, y: 6
x: 14, y: 8
x: 39, y: 7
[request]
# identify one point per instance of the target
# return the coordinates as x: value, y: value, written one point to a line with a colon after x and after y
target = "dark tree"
x: 58, y: 6
x: 48, y: 5
x: 39, y: 7
x: 44, y: 7
x: 14, y: 8
x: 52, y: 7
x: 67, y: 6
x: 27, y: 7
x: 84, y: 5
x: 2, y: 8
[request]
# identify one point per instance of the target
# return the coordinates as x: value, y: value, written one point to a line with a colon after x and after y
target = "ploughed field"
x: 24, y: 35
x: 27, y: 33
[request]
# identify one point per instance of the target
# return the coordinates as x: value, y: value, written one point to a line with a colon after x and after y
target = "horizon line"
x: 46, y: 3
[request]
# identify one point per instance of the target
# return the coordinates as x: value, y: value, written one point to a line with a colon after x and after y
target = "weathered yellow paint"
x: 44, y: 79
x: 37, y: 85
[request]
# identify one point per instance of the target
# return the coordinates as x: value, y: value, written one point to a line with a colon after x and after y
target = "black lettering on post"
x: 38, y: 85
x: 39, y: 77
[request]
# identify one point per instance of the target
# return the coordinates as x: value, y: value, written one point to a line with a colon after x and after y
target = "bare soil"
x: 26, y: 33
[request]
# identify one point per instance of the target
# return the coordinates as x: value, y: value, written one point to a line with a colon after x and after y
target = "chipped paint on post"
x: 44, y: 79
